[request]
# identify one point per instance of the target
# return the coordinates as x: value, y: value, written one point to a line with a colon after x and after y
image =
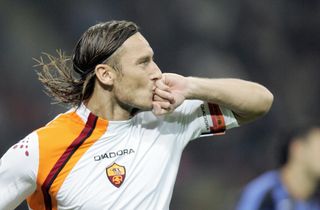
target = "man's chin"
x: 143, y: 107
x: 146, y: 108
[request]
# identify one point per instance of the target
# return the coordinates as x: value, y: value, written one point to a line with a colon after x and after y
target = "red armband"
x: 219, y: 125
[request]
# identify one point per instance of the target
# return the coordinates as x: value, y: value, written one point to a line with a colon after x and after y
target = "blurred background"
x: 275, y: 43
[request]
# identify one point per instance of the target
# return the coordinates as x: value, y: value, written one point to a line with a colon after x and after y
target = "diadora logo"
x: 113, y: 154
x: 116, y: 174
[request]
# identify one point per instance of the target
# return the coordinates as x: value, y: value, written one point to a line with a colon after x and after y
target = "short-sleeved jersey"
x: 80, y: 161
x: 267, y: 192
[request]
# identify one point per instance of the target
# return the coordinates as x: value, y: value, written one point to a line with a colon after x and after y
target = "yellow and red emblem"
x: 116, y: 174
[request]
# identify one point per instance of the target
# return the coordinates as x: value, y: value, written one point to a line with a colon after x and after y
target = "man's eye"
x: 144, y: 62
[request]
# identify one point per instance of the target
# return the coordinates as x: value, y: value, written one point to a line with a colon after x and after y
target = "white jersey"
x: 79, y: 161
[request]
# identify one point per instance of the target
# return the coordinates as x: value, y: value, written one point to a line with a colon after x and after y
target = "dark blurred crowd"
x: 275, y: 42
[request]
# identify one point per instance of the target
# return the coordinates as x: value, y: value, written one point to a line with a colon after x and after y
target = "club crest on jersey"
x: 116, y: 174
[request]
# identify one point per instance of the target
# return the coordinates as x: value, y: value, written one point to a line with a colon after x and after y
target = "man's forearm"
x: 248, y: 100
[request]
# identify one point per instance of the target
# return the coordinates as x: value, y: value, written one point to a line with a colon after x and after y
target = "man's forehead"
x: 136, y: 44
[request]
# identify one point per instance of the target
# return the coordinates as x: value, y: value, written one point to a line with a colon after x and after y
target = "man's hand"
x: 169, y: 93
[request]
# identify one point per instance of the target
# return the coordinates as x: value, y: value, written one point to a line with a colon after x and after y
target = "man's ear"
x: 105, y: 74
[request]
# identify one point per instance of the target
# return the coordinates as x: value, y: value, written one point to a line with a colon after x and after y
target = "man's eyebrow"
x: 145, y: 58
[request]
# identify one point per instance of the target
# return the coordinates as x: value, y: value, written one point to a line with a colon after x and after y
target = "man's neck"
x: 299, y: 184
x: 106, y: 107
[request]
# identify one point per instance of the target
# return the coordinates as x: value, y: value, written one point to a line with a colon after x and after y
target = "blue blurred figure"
x: 295, y: 185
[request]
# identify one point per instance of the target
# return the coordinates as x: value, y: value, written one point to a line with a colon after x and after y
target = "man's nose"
x: 156, y: 72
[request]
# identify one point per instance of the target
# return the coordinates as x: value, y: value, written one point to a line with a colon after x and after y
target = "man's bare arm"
x: 248, y: 100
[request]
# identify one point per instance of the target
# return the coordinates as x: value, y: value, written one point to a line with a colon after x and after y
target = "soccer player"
x: 120, y: 146
x: 295, y: 185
